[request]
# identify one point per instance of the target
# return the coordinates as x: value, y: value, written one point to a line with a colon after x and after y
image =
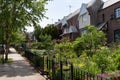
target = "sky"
x: 57, y: 9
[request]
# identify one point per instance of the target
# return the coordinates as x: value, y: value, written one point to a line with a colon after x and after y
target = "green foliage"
x: 8, y: 61
x: 93, y: 56
x: 117, y: 60
x: 37, y: 61
x: 89, y: 41
x: 45, y: 38
x: 102, y: 59
x: 89, y: 52
x: 38, y: 52
x: 17, y: 38
x: 52, y: 30
x: 2, y: 35
x: 115, y: 49
x: 16, y: 14
x: 37, y: 32
x: 45, y: 42
x: 36, y: 45
x: 65, y: 51
x: 48, y: 30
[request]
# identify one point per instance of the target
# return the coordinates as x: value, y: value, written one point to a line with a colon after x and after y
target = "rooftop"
x: 109, y: 3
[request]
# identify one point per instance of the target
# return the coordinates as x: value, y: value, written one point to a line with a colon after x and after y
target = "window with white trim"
x: 84, y: 17
x: 117, y: 13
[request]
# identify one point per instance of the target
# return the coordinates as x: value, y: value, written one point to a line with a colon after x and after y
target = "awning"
x: 100, y: 26
x: 64, y: 34
x: 72, y: 29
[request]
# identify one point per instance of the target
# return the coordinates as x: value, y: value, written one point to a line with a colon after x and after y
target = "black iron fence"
x: 60, y: 70
x: 37, y: 60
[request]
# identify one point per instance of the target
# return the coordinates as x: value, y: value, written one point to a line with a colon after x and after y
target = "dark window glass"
x: 70, y: 36
x: 117, y: 36
x: 103, y: 17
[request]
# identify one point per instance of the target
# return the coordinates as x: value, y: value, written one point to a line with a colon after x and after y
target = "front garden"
x: 89, y: 53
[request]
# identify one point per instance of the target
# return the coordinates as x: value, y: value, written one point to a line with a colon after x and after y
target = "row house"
x: 109, y: 17
x: 83, y: 18
x: 69, y: 26
x: 104, y: 15
x: 72, y: 25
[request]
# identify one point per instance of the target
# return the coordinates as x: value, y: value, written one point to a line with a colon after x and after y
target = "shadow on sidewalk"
x: 16, y: 68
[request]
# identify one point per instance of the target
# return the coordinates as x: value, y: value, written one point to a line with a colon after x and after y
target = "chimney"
x: 93, y: 7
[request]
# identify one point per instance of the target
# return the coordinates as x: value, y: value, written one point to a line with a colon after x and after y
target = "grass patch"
x: 8, y: 61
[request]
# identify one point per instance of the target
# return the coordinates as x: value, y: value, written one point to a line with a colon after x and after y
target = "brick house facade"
x: 69, y: 26
x: 108, y: 14
x: 104, y: 15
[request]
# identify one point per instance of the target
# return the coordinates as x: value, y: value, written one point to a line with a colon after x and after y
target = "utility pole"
x: 70, y: 8
x: 52, y: 20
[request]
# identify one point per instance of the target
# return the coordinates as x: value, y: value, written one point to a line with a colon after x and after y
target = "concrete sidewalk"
x: 19, y: 69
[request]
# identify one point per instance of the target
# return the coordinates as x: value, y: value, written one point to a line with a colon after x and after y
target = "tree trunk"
x: 7, y: 45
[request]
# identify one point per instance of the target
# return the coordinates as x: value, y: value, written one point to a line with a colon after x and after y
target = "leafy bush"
x: 89, y: 41
x: 45, y: 42
x: 117, y: 60
x: 64, y: 51
x: 103, y: 59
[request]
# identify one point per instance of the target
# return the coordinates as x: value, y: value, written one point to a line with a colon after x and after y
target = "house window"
x: 117, y: 13
x: 103, y: 17
x: 117, y: 35
x: 70, y: 37
x: 84, y: 17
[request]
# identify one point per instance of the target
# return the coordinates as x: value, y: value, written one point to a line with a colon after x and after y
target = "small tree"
x: 17, y: 14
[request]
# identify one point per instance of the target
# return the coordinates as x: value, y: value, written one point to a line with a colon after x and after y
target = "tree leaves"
x: 16, y: 14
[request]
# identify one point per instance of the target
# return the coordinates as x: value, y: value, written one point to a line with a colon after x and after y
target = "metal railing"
x: 60, y: 70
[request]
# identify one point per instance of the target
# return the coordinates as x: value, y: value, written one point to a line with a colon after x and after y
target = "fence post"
x: 81, y: 75
x: 61, y: 72
x: 87, y: 75
x: 47, y: 65
x: 53, y: 70
x: 47, y: 62
x: 93, y: 77
x: 71, y: 71
x: 43, y: 63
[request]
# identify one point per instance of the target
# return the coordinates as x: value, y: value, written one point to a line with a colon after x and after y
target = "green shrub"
x: 89, y: 41
x: 117, y: 60
x: 64, y: 51
x: 102, y: 59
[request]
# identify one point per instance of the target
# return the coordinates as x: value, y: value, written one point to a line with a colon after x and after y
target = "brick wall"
x: 113, y: 24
